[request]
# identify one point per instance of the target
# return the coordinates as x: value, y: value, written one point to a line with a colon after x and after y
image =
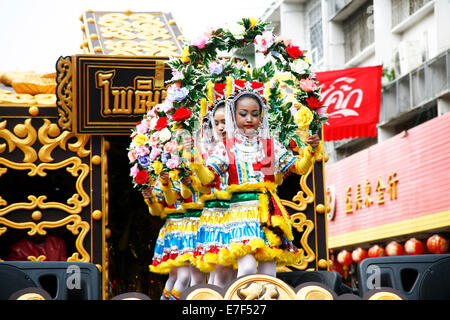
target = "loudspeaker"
x: 418, y: 277
x: 62, y: 280
x: 331, y: 279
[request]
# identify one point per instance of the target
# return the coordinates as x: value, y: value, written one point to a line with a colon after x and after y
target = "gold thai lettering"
x: 130, y: 100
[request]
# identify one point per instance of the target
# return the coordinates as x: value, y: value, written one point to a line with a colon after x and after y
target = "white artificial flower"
x: 299, y: 66
x: 237, y: 30
x: 165, y: 135
x: 153, y: 122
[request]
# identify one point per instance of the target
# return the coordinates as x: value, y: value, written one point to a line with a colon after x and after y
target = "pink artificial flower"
x: 142, y: 150
x: 155, y: 152
x: 153, y: 140
x: 264, y: 41
x: 170, y: 146
x: 201, y: 41
x: 173, y: 162
x: 308, y: 85
x: 134, y: 170
x: 142, y: 128
x: 132, y: 155
x: 286, y: 41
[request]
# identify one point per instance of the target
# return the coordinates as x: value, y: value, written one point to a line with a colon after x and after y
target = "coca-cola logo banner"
x: 353, y: 98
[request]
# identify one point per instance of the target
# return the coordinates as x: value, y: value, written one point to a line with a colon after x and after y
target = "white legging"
x: 247, y: 265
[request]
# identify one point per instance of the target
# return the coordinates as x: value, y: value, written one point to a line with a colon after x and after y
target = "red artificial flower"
x: 293, y: 144
x: 313, y: 103
x: 181, y: 114
x: 294, y: 52
x: 161, y: 123
x: 142, y: 177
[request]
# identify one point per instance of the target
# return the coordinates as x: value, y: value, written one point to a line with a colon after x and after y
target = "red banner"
x: 353, y: 98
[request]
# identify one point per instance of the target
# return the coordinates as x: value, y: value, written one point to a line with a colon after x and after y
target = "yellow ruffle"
x: 261, y: 252
x: 166, y: 266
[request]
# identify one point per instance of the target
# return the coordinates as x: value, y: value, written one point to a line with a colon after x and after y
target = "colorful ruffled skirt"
x: 251, y: 231
x: 176, y: 241
x: 212, y: 235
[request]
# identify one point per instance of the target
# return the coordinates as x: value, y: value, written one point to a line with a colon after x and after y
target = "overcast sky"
x: 35, y: 33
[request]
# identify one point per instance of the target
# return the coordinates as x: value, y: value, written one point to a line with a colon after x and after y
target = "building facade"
x: 385, y: 188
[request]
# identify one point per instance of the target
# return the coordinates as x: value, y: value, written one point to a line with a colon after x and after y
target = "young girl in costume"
x: 259, y: 226
x: 176, y: 240
x: 212, y: 235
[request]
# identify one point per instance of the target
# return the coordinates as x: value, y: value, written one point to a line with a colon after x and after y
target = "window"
x: 315, y: 33
x: 358, y: 30
x: 402, y: 9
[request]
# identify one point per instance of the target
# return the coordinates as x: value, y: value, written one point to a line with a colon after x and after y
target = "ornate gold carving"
x: 204, y: 294
x: 40, y: 258
x: 36, y: 215
x: 97, y: 214
x: 259, y: 287
x: 136, y: 34
x: 303, y: 196
x: 64, y: 92
x: 313, y: 292
x: 300, y: 222
x: 39, y: 228
x: 33, y: 111
x: 75, y: 201
x: 24, y: 137
x: 320, y: 208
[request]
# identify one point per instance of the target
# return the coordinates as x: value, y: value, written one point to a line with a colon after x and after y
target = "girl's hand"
x: 164, y: 176
x: 146, y: 193
x: 186, y: 181
x: 313, y: 140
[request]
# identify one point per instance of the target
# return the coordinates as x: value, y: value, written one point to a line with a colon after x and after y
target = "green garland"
x: 156, y: 140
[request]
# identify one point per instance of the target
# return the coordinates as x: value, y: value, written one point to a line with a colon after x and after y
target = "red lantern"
x: 344, y: 258
x: 359, y: 255
x: 437, y: 244
x: 376, y: 251
x: 394, y: 249
x: 414, y: 246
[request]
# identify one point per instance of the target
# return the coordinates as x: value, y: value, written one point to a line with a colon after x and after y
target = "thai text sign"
x: 353, y: 98
x: 112, y: 93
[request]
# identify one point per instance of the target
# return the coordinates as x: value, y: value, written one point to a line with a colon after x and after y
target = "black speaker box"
x: 418, y: 277
x: 62, y: 280
x: 331, y: 279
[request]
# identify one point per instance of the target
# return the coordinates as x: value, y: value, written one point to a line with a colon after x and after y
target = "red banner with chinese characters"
x: 353, y: 98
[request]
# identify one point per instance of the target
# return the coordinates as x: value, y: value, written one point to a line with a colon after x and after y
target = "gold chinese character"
x: 348, y: 201
x: 368, y: 190
x: 359, y: 199
x: 380, y: 189
x: 393, y: 186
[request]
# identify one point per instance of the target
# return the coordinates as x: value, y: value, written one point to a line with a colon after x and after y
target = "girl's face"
x: 219, y: 122
x: 248, y: 115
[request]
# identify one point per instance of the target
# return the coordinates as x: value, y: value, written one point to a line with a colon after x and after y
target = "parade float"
x: 65, y: 150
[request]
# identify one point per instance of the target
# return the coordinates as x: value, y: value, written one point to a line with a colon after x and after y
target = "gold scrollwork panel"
x: 74, y: 204
x: 73, y: 223
x: 64, y: 68
x: 301, y: 224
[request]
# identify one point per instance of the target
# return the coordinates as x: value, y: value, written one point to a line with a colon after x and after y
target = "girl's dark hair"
x: 218, y: 106
x: 250, y: 96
